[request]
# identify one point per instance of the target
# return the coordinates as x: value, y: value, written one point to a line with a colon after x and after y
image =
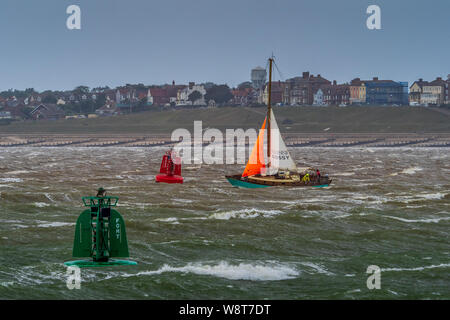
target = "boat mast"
x: 269, y: 108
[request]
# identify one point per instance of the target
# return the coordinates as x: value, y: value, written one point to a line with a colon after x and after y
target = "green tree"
x: 81, y: 89
x: 49, y: 98
x: 220, y: 94
x: 194, y: 96
x: 100, y: 101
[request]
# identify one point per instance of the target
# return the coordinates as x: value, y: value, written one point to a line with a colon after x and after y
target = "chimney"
x: 421, y: 79
x: 375, y: 78
x: 191, y: 84
x: 334, y: 82
x: 439, y: 78
x: 173, y: 82
x: 306, y: 75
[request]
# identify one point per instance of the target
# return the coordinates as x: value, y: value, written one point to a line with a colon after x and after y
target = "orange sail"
x: 256, y: 160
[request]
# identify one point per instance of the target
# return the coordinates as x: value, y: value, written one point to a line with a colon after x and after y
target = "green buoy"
x: 100, y: 233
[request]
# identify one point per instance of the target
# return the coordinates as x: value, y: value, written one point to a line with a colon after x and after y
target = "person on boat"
x: 318, y: 175
x: 171, y: 165
x: 306, y: 178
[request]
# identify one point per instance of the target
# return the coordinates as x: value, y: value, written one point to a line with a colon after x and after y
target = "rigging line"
x: 279, y: 72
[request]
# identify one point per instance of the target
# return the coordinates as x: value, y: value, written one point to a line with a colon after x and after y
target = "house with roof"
x: 108, y: 110
x: 300, y: 90
x: 357, y: 92
x: 429, y: 93
x: 415, y: 92
x: 241, y: 96
x: 183, y: 95
x: 278, y: 90
x: 336, y: 94
x: 47, y: 111
x: 158, y: 96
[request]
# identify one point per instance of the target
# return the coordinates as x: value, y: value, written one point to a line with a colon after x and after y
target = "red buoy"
x: 170, y: 171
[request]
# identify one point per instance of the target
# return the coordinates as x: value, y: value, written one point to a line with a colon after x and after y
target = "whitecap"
x: 247, y: 213
x: 345, y: 174
x: 434, y: 266
x: 435, y: 220
x: 411, y: 170
x: 11, y: 180
x: 242, y: 271
x: 41, y: 204
x: 55, y: 224
x: 172, y: 219
x: 17, y: 172
x: 317, y: 268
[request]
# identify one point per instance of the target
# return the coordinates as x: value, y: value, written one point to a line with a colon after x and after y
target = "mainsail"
x: 280, y: 159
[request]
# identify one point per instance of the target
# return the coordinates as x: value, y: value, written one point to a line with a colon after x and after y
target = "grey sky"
x: 157, y: 41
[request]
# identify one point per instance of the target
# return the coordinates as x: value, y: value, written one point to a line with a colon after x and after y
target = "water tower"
x: 258, y: 77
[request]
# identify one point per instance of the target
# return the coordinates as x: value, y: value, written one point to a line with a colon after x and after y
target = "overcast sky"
x: 157, y: 41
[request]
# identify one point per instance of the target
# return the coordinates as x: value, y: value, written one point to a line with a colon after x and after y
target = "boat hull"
x: 244, y: 184
x: 238, y: 181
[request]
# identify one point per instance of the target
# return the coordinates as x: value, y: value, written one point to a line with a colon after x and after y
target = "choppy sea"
x: 388, y: 207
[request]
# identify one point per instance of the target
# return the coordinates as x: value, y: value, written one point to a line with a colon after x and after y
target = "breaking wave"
x: 410, y: 170
x: 435, y: 220
x: 242, y: 271
x: 11, y: 180
x: 244, y: 214
x: 442, y: 265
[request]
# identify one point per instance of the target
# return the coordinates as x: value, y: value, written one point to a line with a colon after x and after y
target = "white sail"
x: 280, y: 159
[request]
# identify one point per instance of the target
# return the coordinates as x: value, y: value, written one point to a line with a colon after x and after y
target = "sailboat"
x: 270, y: 163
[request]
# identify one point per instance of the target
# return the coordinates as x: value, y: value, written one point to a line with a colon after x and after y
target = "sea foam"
x: 244, y: 214
x: 241, y: 271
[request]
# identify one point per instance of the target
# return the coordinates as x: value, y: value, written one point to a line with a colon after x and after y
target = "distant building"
x: 447, y: 90
x: 157, y: 96
x: 258, y: 77
x: 336, y: 94
x: 429, y: 93
x: 47, y: 112
x: 318, y: 98
x: 277, y: 93
x: 183, y: 95
x: 109, y: 109
x: 415, y: 92
x: 357, y: 92
x: 5, y: 115
x: 386, y: 92
x: 300, y: 90
x: 18, y: 112
x: 242, y: 96
x: 61, y: 101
